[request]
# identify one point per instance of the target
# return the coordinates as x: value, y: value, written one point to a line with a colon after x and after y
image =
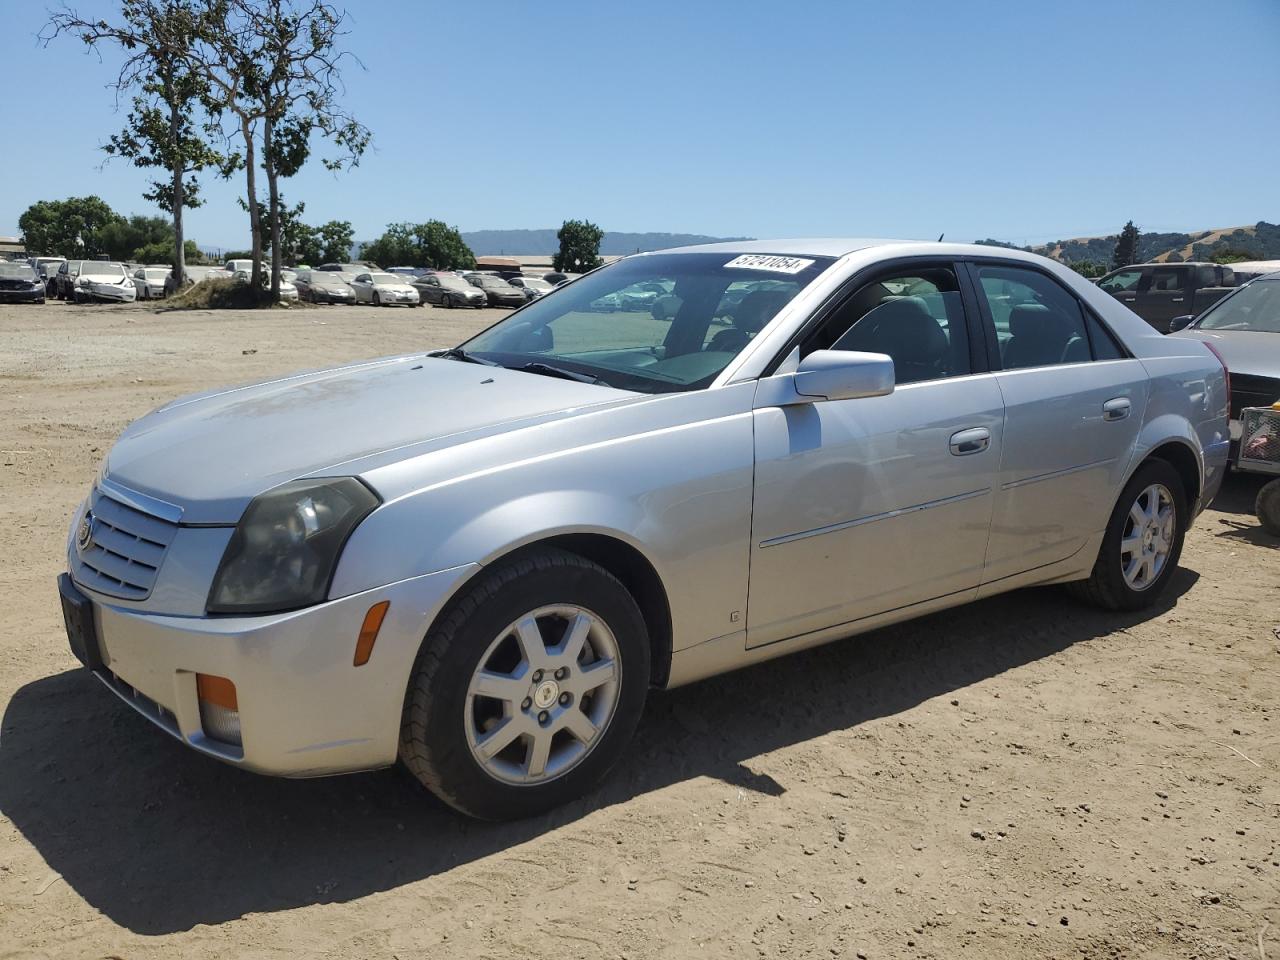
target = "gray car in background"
x: 478, y: 561
x: 448, y: 290
x: 323, y: 286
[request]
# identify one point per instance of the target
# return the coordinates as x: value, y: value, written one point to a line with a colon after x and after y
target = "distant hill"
x: 534, y: 242
x: 1258, y: 242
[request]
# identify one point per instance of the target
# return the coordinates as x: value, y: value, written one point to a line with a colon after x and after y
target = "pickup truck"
x: 1158, y: 292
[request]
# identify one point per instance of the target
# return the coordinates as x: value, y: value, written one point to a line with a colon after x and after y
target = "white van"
x: 233, y: 265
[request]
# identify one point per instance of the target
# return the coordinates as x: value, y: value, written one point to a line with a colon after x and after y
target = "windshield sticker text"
x: 764, y: 261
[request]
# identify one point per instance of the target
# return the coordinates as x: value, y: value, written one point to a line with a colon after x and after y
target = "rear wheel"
x: 448, y: 301
x: 527, y: 691
x: 1267, y: 507
x: 377, y: 300
x: 1142, y: 544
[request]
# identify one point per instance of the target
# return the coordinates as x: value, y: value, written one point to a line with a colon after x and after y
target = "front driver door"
x: 863, y: 506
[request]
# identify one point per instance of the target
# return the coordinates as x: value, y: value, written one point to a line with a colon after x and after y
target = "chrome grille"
x: 1260, y: 437
x: 125, y: 548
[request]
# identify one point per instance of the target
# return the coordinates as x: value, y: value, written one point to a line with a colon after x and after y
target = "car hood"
x: 1252, y: 352
x: 212, y: 453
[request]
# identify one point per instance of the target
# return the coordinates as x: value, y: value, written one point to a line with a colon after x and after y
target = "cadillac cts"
x: 479, y: 560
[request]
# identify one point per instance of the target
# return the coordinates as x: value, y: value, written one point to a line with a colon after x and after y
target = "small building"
x: 12, y: 248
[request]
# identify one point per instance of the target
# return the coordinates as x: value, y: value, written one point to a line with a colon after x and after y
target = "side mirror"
x: 844, y: 375
x: 1181, y: 323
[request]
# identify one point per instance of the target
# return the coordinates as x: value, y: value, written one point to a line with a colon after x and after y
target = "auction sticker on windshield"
x: 763, y: 261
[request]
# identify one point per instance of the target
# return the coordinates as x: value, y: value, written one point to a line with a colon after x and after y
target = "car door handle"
x: 1116, y: 409
x: 973, y: 440
x: 1178, y: 299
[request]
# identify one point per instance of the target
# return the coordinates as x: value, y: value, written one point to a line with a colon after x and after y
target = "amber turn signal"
x: 216, y: 690
x: 369, y: 632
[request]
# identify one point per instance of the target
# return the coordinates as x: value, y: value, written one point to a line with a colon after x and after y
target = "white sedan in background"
x: 384, y: 289
x: 149, y: 282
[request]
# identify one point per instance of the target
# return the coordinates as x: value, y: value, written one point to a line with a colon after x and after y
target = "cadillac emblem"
x: 84, y: 533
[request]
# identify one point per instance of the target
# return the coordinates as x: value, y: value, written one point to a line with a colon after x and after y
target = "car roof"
x: 818, y: 247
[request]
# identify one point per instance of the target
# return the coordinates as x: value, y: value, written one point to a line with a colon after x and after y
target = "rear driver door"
x: 1074, y: 402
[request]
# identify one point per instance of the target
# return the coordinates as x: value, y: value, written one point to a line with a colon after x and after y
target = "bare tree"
x: 298, y: 87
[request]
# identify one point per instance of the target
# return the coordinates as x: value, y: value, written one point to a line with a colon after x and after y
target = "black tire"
x: 1106, y: 586
x: 447, y: 302
x: 433, y: 741
x: 377, y: 300
x: 1267, y: 507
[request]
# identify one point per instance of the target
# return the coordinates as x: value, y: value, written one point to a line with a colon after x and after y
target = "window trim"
x: 978, y: 362
x: 989, y: 325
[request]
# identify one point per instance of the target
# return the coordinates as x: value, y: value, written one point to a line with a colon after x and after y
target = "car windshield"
x: 157, y: 273
x: 385, y: 278
x: 20, y: 271
x: 487, y: 281
x: 616, y: 325
x: 453, y: 283
x: 1256, y: 307
x: 536, y: 283
x: 107, y: 271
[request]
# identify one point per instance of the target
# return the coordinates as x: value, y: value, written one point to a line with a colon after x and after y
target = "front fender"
x: 678, y: 493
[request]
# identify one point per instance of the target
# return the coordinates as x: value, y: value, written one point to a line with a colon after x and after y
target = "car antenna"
x: 941, y: 235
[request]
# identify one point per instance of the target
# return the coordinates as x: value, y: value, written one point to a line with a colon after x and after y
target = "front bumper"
x: 304, y: 709
x: 106, y: 292
x: 23, y: 296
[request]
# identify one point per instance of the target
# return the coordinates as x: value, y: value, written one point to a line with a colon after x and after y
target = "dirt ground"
x: 1020, y: 778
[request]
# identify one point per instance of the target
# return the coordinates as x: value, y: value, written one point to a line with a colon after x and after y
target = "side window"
x: 1038, y: 323
x: 915, y: 316
x: 1126, y: 281
x: 1167, y: 280
x: 1207, y: 276
x: 1104, y: 342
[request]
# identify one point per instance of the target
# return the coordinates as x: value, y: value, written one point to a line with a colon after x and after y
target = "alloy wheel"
x: 1148, y: 537
x: 543, y: 695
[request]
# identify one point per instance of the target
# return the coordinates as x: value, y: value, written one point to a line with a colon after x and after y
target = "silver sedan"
x: 478, y: 561
x: 384, y: 290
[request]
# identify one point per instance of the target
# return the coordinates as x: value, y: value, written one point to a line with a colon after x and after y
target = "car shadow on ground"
x: 160, y: 839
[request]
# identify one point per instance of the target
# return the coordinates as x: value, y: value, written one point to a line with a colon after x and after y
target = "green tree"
x: 165, y: 129
x: 442, y: 247
x: 336, y: 238
x: 1233, y: 255
x: 579, y: 247
x: 1088, y: 268
x: 69, y: 228
x: 122, y: 237
x: 396, y: 247
x: 163, y: 252
x: 1126, y: 251
x: 432, y: 244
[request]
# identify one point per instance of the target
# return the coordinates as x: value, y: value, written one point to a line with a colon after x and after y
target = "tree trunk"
x: 273, y: 188
x: 179, y: 275
x: 255, y: 221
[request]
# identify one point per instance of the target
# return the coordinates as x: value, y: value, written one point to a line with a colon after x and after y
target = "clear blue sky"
x: 1004, y: 118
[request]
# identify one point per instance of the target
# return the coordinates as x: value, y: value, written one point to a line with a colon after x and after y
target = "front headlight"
x: 286, y: 546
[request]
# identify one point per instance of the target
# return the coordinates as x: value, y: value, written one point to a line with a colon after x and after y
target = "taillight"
x: 1226, y: 373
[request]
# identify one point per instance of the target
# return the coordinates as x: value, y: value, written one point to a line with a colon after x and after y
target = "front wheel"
x: 527, y: 691
x: 377, y: 300
x: 1142, y: 544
